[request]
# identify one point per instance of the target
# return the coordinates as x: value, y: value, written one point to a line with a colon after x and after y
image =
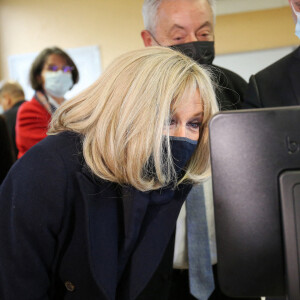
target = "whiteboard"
x: 87, y: 60
x: 247, y: 63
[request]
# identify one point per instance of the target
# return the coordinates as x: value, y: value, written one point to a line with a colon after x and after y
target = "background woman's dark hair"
x: 39, y: 62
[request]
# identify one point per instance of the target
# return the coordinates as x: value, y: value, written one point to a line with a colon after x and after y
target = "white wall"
x: 247, y: 63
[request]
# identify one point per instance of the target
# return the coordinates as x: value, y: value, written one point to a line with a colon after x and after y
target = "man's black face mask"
x: 203, y: 52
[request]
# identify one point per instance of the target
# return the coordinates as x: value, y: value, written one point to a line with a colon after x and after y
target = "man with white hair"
x: 188, y: 26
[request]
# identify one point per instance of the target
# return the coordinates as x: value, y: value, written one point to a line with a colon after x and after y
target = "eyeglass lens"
x: 55, y: 68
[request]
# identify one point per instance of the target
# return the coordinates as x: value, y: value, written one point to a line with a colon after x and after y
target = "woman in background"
x: 52, y: 74
x: 88, y: 213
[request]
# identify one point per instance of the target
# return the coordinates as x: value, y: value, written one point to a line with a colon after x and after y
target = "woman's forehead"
x: 191, y: 104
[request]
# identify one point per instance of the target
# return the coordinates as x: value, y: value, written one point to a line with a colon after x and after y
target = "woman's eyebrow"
x: 200, y: 115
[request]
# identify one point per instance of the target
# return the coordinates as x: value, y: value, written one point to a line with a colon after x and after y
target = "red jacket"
x: 31, y: 125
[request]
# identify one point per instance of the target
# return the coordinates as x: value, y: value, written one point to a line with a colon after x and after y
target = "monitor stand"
x: 290, y: 208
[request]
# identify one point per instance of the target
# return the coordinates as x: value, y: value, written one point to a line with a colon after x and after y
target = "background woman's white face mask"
x: 57, y: 83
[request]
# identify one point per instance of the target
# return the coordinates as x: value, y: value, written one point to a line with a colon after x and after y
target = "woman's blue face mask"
x: 182, y: 150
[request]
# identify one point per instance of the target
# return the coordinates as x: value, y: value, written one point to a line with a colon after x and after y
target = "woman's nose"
x: 179, y: 131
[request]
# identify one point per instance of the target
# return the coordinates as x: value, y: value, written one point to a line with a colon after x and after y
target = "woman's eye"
x: 172, y: 122
x: 194, y: 125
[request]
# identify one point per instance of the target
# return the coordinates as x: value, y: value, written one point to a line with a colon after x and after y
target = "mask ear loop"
x: 155, y: 40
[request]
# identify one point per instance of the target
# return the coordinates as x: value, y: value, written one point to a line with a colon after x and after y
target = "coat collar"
x: 101, y: 222
x: 158, y: 225
x: 129, y: 231
x: 296, y: 53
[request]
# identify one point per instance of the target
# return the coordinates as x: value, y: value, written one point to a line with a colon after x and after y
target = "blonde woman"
x: 88, y: 212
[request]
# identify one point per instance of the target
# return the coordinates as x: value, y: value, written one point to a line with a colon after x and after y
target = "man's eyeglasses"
x: 65, y: 69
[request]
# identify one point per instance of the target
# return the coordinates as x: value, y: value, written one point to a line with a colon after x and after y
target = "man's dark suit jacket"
x: 10, y: 118
x: 66, y: 235
x: 276, y: 85
x: 6, y: 151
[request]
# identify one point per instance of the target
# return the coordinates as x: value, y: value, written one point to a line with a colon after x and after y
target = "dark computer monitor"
x: 255, y: 156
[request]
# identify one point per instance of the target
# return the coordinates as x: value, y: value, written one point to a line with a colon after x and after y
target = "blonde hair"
x: 123, y: 115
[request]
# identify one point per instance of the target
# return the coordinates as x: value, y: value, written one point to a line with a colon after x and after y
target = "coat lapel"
x: 115, y: 217
x: 294, y: 75
x: 157, y: 228
x: 102, y: 206
x: 128, y: 232
x: 135, y: 206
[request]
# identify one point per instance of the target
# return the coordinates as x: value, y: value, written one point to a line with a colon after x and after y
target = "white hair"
x: 150, y: 8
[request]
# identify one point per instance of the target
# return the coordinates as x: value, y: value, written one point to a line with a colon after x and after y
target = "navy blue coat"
x: 66, y: 235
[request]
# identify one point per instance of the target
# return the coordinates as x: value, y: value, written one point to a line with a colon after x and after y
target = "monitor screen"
x: 254, y: 154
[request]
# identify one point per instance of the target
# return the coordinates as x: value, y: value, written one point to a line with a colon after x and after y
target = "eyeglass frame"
x: 65, y: 69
